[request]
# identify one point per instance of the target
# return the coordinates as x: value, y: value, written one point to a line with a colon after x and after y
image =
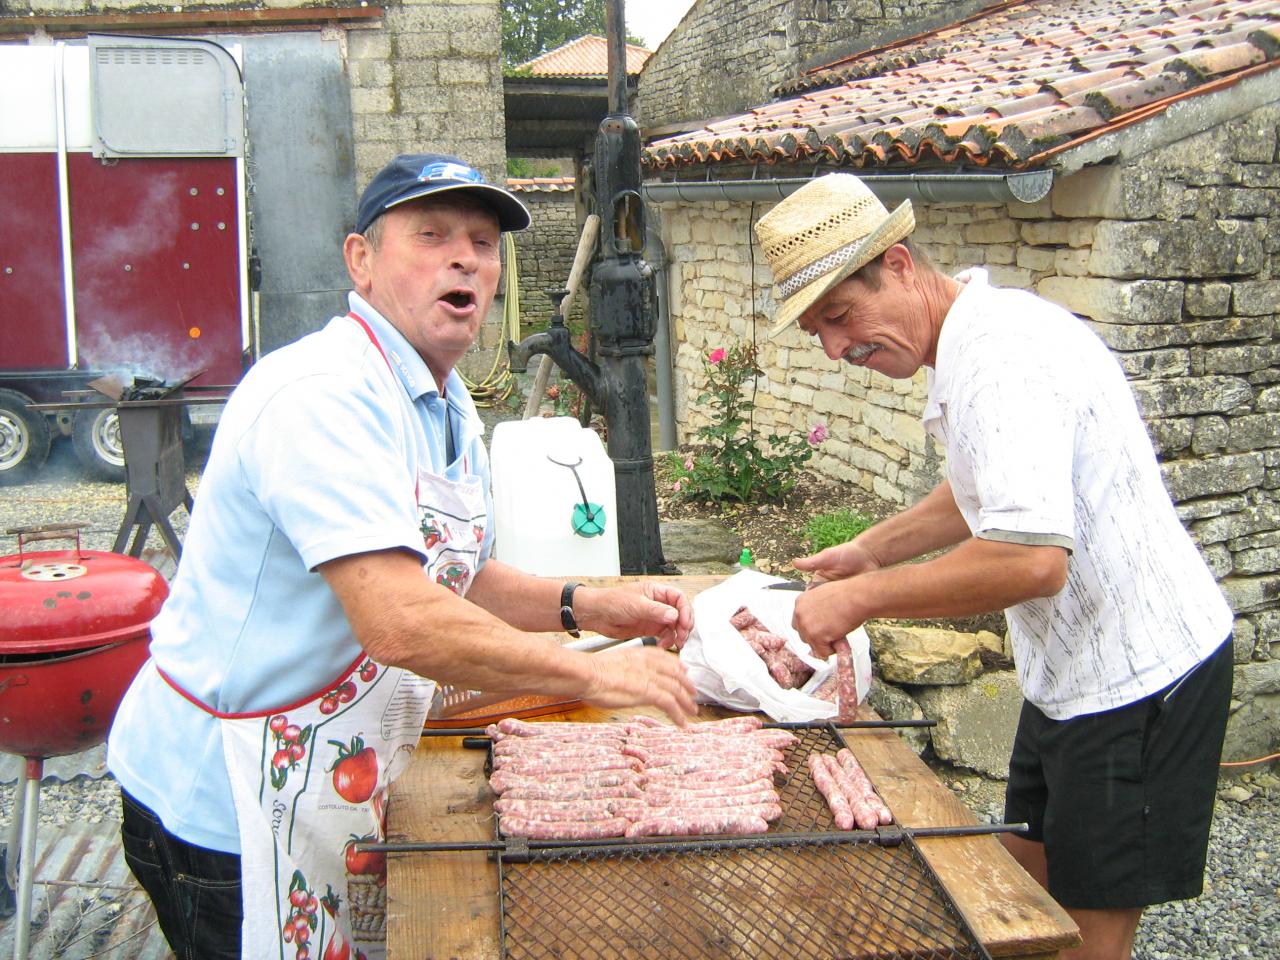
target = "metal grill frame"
x: 806, y: 824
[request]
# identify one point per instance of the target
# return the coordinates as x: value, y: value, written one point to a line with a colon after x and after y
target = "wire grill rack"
x: 803, y: 891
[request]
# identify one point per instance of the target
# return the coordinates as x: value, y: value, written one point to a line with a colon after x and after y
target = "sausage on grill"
x: 570, y: 810
x: 689, y: 824
x: 564, y: 829
x: 862, y: 784
x: 825, y: 781
x: 503, y: 780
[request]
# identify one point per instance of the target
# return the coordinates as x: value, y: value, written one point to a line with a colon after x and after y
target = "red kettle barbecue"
x: 73, y: 633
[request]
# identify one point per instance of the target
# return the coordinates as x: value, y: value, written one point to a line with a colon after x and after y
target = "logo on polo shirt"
x: 445, y: 170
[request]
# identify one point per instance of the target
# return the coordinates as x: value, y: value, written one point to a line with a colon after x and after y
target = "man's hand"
x: 641, y: 676
x: 644, y: 609
x: 838, y: 563
x: 825, y: 614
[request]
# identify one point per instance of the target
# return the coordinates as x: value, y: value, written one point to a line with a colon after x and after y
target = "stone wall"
x: 429, y: 81
x: 726, y: 56
x: 1173, y: 258
x: 545, y: 253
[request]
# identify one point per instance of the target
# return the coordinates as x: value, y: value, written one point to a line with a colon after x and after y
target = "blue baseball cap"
x: 411, y: 176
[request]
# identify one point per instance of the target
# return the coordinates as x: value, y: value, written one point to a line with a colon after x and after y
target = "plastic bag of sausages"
x: 733, y: 658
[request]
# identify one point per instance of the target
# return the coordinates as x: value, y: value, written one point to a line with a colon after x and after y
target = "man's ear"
x: 897, y: 260
x: 357, y: 252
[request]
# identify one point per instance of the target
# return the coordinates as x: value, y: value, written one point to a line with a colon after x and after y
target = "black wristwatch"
x: 567, y: 619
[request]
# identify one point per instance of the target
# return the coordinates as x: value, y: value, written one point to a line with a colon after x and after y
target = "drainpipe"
x: 656, y: 257
x: 1000, y: 187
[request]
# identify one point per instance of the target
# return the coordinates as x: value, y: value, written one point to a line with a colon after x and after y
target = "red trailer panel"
x: 33, y: 332
x: 156, y: 253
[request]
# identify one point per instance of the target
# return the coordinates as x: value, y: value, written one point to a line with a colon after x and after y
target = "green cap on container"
x: 744, y: 559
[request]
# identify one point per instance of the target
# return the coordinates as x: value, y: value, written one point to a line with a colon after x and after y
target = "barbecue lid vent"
x: 53, y: 571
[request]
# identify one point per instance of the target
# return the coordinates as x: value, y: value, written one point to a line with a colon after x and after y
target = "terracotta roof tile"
x: 540, y: 184
x: 1001, y: 86
x: 587, y: 56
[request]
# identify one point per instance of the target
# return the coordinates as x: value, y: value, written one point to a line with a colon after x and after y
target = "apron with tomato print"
x: 310, y: 780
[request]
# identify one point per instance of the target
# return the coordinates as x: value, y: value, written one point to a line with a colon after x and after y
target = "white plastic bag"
x: 725, y: 670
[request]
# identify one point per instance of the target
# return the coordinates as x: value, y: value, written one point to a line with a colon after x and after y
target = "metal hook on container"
x: 588, y: 518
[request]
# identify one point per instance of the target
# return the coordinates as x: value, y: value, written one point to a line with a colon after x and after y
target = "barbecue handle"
x: 48, y: 531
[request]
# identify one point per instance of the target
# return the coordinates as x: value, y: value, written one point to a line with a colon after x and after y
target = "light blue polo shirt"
x: 315, y: 457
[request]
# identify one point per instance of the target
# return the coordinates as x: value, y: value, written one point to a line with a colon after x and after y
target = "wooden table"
x: 444, y: 906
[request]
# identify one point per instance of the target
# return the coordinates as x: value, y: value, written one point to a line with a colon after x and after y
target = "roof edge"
x: 1208, y: 106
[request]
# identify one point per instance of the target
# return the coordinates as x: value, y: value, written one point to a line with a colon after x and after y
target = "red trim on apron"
x: 254, y: 714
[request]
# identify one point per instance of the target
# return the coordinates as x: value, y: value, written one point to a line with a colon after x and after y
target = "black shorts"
x: 1123, y: 800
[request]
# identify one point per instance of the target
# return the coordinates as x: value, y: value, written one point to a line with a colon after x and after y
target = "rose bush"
x: 730, y: 462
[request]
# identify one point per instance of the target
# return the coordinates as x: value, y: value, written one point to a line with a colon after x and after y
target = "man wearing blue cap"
x: 339, y: 557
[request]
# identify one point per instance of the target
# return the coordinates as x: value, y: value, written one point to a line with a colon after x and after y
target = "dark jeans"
x: 196, y: 891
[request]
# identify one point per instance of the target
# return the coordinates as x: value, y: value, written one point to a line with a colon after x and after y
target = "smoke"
x: 137, y: 355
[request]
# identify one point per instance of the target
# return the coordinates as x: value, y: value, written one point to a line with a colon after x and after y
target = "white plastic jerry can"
x: 554, y: 500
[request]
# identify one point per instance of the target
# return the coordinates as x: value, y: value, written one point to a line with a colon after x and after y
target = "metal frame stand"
x: 26, y: 817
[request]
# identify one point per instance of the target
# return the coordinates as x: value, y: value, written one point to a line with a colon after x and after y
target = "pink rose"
x: 688, y: 464
x: 676, y: 486
x: 817, y: 434
x: 715, y: 356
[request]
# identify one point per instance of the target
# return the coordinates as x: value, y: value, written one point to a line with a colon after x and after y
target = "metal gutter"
x: 990, y: 186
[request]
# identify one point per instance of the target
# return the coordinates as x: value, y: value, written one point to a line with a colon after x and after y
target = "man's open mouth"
x: 459, y: 298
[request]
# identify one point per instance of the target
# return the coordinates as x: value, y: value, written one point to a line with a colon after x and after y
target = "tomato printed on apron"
x: 310, y: 780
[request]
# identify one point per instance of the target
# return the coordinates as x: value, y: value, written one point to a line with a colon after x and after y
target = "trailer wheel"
x: 24, y: 438
x: 95, y: 436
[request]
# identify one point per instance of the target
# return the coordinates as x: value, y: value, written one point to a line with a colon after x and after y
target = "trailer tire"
x: 24, y: 438
x: 95, y: 437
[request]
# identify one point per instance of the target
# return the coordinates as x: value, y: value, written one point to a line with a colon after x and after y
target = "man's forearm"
x: 978, y: 576
x: 932, y: 524
x: 521, y: 599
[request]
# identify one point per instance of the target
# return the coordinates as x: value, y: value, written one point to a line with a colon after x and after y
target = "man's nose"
x: 832, y: 347
x: 463, y: 255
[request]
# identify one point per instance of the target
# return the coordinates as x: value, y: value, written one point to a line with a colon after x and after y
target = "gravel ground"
x: 1237, y: 916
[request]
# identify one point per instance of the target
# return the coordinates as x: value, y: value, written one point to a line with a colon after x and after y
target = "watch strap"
x: 567, y: 619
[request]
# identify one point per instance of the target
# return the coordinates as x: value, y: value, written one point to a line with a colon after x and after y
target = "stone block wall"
x: 429, y: 81
x: 726, y: 56
x: 1173, y: 258
x: 721, y: 292
x: 545, y: 253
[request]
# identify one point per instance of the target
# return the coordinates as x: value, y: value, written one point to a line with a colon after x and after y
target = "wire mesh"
x: 852, y: 900
x: 808, y: 900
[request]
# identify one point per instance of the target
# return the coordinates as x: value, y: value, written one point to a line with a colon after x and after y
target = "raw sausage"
x: 858, y: 777
x: 570, y: 810
x: 551, y: 791
x: 689, y: 824
x: 504, y: 779
x: 846, y: 683
x: 564, y: 829
x: 825, y: 781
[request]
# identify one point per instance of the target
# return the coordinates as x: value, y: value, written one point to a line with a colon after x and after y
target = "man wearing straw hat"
x: 1053, y: 509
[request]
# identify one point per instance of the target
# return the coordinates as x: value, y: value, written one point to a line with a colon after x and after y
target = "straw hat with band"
x: 821, y: 234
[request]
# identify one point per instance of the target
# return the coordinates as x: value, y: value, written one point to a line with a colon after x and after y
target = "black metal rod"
x: 849, y: 724
x: 782, y: 725
x: 687, y: 844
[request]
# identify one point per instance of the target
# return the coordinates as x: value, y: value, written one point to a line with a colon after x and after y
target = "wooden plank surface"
x: 443, y: 906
